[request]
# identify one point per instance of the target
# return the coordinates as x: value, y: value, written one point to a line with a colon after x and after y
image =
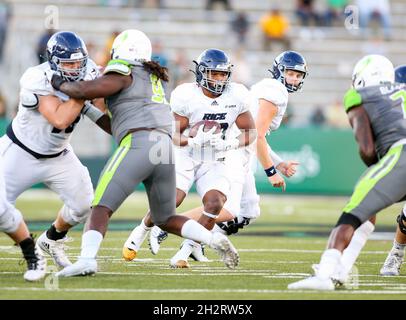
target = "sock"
x: 28, y: 248
x: 54, y: 234
x: 398, y: 246
x: 91, y: 241
x: 360, y: 237
x: 193, y: 230
x: 328, y: 263
x: 142, y: 225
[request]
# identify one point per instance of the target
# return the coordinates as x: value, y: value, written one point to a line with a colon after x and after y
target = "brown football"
x: 208, y: 124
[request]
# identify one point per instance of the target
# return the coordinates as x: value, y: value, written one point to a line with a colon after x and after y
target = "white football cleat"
x: 82, y: 267
x: 312, y: 283
x: 198, y: 253
x: 134, y: 243
x: 36, y: 267
x: 179, y: 260
x: 56, y: 249
x: 222, y: 245
x: 392, y: 264
x: 155, y: 239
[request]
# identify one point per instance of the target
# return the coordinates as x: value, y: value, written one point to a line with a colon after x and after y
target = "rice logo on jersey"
x: 214, y: 116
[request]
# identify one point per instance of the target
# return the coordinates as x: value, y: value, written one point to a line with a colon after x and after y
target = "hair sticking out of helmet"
x: 372, y: 70
x: 132, y: 46
x: 400, y: 74
x: 289, y: 60
x: 213, y: 70
x: 67, y: 53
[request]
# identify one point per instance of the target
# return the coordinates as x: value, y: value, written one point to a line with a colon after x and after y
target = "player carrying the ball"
x: 201, y: 159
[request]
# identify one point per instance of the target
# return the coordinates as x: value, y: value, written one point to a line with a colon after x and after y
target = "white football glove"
x: 202, y: 138
x: 223, y: 145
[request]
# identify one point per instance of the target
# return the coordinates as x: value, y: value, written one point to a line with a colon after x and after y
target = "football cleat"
x: 225, y: 249
x: 36, y: 267
x: 179, y: 260
x: 55, y: 249
x: 312, y: 283
x: 156, y: 237
x: 392, y: 264
x: 82, y: 267
x: 198, y: 253
x: 133, y: 243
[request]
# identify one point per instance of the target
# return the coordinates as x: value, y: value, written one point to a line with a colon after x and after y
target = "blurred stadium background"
x: 315, y: 131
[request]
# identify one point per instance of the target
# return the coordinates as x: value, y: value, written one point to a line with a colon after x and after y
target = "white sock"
x: 360, y: 237
x: 330, y: 259
x: 398, y: 247
x: 142, y: 225
x: 91, y: 241
x: 191, y: 229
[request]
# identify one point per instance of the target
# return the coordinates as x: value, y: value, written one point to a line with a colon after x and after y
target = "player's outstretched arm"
x: 103, y: 87
x: 267, y: 111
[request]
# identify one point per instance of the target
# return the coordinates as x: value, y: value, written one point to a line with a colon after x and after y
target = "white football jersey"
x: 29, y: 125
x: 188, y: 100
x: 273, y: 91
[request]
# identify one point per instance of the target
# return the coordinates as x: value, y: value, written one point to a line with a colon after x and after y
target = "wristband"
x: 270, y: 171
x: 92, y: 112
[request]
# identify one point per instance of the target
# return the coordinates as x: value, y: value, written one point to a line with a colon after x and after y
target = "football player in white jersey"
x: 268, y: 103
x: 36, y: 146
x: 200, y: 159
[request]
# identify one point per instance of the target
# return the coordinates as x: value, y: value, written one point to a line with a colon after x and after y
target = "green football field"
x: 279, y: 248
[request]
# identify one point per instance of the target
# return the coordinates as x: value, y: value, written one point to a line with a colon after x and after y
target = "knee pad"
x: 10, y: 219
x: 401, y: 219
x: 75, y: 217
x: 349, y: 218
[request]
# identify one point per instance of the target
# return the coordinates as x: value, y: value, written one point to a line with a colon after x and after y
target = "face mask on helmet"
x: 290, y: 68
x: 372, y: 70
x: 67, y: 54
x: 213, y: 71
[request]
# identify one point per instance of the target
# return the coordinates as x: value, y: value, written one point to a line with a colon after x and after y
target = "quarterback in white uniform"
x: 36, y: 147
x: 201, y: 159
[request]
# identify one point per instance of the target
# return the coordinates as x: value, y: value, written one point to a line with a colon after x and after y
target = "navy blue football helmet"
x: 289, y: 60
x: 213, y: 60
x: 400, y: 74
x: 66, y: 47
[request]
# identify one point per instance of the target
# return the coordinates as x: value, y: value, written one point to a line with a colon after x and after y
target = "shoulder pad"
x: 28, y: 99
x: 352, y: 99
x: 118, y: 66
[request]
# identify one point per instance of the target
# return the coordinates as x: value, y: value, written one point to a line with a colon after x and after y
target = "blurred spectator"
x: 42, y: 45
x: 240, y: 26
x: 336, y: 116
x: 146, y: 3
x: 335, y: 11
x: 158, y: 54
x: 225, y: 3
x: 317, y: 118
x: 179, y: 69
x: 378, y: 10
x: 274, y: 26
x: 306, y: 12
x: 4, y: 19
